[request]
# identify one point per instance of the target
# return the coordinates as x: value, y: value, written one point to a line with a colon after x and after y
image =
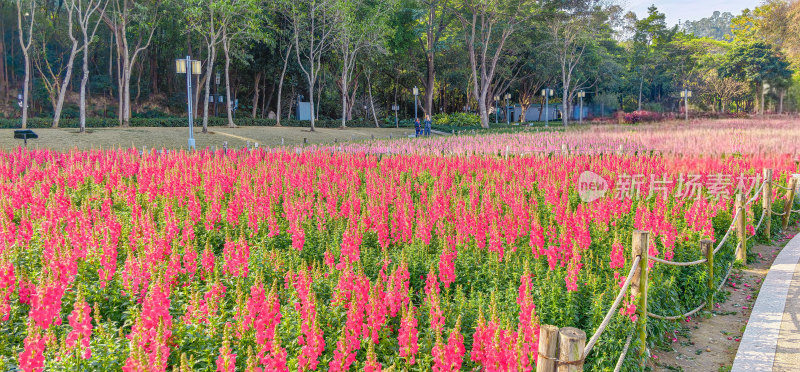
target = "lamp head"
x: 197, y: 67
x: 180, y: 66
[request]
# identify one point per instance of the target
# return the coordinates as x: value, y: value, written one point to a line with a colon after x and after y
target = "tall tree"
x: 133, y: 24
x: 56, y: 73
x: 487, y: 25
x: 362, y: 29
x: 26, y: 12
x: 437, y: 19
x: 245, y: 25
x: 756, y: 63
x: 314, y: 24
x: 208, y: 18
x: 84, y: 11
x: 570, y: 32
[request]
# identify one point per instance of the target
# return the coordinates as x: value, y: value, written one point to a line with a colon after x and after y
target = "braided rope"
x: 624, y: 353
x: 673, y: 263
x: 722, y: 283
x: 755, y: 195
x: 780, y: 187
x: 677, y: 316
x: 559, y: 361
x: 759, y: 222
x: 725, y: 238
x: 612, y: 310
x: 719, y: 287
x: 779, y: 214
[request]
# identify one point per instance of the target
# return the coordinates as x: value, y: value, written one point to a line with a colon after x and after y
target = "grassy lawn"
x: 176, y: 138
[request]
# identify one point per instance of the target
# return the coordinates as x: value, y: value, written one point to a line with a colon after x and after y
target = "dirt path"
x: 708, y: 342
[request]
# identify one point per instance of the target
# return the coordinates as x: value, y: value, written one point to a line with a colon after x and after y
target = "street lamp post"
x: 416, y: 93
x: 508, y: 116
x: 189, y: 67
x: 685, y: 94
x: 547, y: 93
x: 496, y: 111
x: 581, y: 95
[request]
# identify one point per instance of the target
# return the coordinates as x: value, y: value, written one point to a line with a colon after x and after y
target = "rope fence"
x: 567, y: 346
x: 621, y: 359
x: 678, y: 317
x: 613, y: 309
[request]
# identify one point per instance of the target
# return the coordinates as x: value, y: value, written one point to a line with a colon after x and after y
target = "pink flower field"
x: 372, y: 256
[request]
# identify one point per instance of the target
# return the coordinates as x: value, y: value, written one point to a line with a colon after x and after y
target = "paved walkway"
x: 771, y: 341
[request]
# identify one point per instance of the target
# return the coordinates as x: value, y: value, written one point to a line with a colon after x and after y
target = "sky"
x: 692, y: 10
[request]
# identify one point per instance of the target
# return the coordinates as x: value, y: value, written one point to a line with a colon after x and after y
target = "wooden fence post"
x: 571, y: 342
x: 639, y: 287
x: 787, y: 208
x: 741, y: 251
x: 708, y: 250
x: 548, y: 348
x: 766, y: 202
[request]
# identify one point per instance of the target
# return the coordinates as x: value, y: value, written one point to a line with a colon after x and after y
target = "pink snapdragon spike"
x: 31, y: 359
x: 628, y: 308
x: 226, y: 361
x: 8, y: 287
x: 81, y: 322
x: 528, y: 323
x: 311, y: 340
x: 408, y: 336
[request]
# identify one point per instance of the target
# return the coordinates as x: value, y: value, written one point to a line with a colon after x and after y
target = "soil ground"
x: 176, y: 138
x: 709, y: 341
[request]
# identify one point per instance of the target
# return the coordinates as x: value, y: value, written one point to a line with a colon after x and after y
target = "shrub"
x: 457, y: 119
x: 643, y: 117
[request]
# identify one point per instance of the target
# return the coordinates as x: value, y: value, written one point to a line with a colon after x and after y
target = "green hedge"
x: 457, y: 119
x: 179, y: 122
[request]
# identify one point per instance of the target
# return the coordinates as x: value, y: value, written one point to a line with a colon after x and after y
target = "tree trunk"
x: 641, y: 85
x: 212, y: 54
x: 3, y: 69
x: 84, y: 81
x: 269, y: 97
x: 227, y: 47
x: 67, y: 77
x: 256, y: 89
x: 311, y: 84
x: 372, y: 102
x: 26, y: 89
x: 565, y: 101
x: 523, y: 112
x: 484, y: 113
x: 344, y: 85
x: 541, y: 109
x: 431, y: 78
x: 291, y: 104
x: 153, y: 65
x: 280, y: 85
x: 25, y: 47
